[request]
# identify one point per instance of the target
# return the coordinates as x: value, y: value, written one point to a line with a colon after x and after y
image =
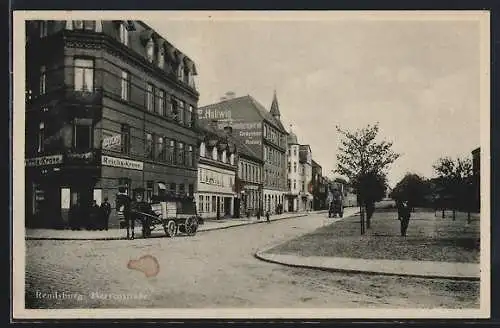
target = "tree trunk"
x: 362, y: 219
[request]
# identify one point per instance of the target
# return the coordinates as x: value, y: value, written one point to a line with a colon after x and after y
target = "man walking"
x: 123, y: 210
x: 404, y: 213
x: 106, y: 212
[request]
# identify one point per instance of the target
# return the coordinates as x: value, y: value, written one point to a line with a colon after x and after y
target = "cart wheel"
x: 191, y: 225
x: 170, y: 228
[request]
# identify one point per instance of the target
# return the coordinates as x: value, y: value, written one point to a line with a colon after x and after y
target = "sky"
x: 418, y: 78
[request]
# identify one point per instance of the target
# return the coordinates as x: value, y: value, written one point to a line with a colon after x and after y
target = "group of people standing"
x: 92, y: 217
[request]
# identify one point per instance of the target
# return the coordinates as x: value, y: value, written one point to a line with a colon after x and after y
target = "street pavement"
x: 216, y: 269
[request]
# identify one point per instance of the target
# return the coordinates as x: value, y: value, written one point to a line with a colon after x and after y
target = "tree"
x: 413, y: 188
x: 454, y: 178
x: 364, y: 161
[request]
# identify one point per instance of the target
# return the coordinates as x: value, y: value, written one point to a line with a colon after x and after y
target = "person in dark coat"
x: 267, y: 217
x: 140, y: 206
x: 122, y: 207
x: 106, y: 212
x: 404, y: 214
x: 94, y: 217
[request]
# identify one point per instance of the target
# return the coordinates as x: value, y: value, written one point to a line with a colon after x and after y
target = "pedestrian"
x: 258, y: 214
x: 122, y: 207
x: 95, y: 214
x: 105, y: 213
x: 404, y: 213
x: 267, y: 217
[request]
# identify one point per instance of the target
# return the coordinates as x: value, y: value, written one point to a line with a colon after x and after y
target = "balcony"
x: 88, y: 97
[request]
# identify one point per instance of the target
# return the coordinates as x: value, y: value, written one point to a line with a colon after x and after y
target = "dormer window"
x: 161, y: 56
x: 123, y: 34
x: 231, y: 159
x: 180, y: 71
x: 224, y: 157
x: 214, y: 153
x: 150, y: 50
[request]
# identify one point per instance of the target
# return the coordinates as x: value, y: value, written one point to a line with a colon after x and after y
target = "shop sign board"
x: 121, y: 162
x: 44, y: 160
x: 112, y: 142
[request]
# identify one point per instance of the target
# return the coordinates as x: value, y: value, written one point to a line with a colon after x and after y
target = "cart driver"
x: 140, y: 206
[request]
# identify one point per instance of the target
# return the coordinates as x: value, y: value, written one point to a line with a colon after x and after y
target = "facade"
x: 262, y: 132
x: 113, y: 103
x: 294, y: 182
x: 319, y: 187
x: 250, y: 181
x: 476, y: 176
x: 216, y: 174
x: 305, y: 193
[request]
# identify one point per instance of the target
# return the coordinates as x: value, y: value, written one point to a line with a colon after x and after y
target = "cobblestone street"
x: 215, y: 269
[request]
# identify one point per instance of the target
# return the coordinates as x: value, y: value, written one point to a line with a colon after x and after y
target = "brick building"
x: 112, y: 103
x: 262, y: 131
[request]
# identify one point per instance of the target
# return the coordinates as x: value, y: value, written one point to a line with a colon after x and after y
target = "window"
x: 214, y: 153
x: 125, y: 85
x: 180, y: 72
x: 207, y: 203
x: 200, y: 204
x: 202, y: 149
x: 289, y: 184
x: 125, y: 138
x: 189, y: 116
x: 84, y: 25
x: 149, y: 191
x: 173, y: 187
x: 294, y: 151
x: 180, y: 153
x: 295, y: 167
x: 224, y: 157
x: 175, y: 111
x: 161, y: 102
x: 231, y: 159
x: 161, y: 149
x: 294, y: 184
x: 41, y: 136
x: 82, y: 137
x: 289, y: 167
x: 150, y: 97
x: 43, y: 80
x: 123, y: 34
x: 303, y: 187
x: 171, y: 152
x: 149, y: 147
x: 191, y: 190
x: 214, y: 204
x: 43, y: 29
x: 190, y: 159
x: 150, y: 50
x: 182, y: 188
x: 181, y: 111
x: 84, y: 74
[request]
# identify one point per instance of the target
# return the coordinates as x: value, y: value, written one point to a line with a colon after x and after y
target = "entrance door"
x: 290, y: 205
x: 227, y: 206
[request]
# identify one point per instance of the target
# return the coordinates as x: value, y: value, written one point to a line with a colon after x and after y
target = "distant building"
x: 294, y: 179
x: 109, y: 103
x: 319, y: 187
x: 249, y: 177
x: 216, y: 194
x: 262, y: 131
x: 306, y: 188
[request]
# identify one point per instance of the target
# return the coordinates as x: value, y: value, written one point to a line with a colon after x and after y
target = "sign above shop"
x: 112, y: 142
x: 45, y: 160
x: 122, y: 162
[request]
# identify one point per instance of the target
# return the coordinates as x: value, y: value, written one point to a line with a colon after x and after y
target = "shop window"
x: 149, y: 146
x: 207, y: 203
x: 214, y: 204
x: 125, y: 92
x: 200, y: 204
x: 123, y: 34
x: 41, y: 136
x: 84, y: 74
x: 182, y: 188
x: 150, y: 97
x: 125, y: 136
x: 126, y: 183
x: 82, y: 138
x: 43, y: 80
x: 173, y: 187
x: 149, y: 191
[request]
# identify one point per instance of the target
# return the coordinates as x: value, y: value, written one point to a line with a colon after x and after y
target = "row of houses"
x: 115, y: 104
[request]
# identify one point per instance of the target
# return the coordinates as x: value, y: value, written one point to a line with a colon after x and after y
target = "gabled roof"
x: 245, y: 103
x: 275, y: 108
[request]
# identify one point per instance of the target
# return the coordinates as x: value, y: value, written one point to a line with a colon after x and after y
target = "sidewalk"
x: 421, y: 269
x: 118, y: 234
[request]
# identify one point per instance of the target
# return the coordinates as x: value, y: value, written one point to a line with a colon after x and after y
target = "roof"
x: 314, y: 163
x: 275, y: 108
x: 243, y: 103
x: 292, y: 139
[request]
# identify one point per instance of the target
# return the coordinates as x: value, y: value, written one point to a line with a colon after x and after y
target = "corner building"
x: 111, y: 104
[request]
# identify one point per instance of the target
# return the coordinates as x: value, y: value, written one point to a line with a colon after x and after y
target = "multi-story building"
x: 112, y: 103
x: 216, y: 192
x: 306, y: 188
x: 250, y: 181
x: 294, y: 181
x: 319, y: 187
x: 262, y: 131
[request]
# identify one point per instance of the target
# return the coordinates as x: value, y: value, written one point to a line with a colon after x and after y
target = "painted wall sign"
x: 122, y: 162
x: 45, y: 160
x: 112, y: 142
x: 213, y: 114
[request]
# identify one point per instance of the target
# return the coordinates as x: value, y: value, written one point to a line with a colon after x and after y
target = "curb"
x: 163, y: 236
x: 259, y: 255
